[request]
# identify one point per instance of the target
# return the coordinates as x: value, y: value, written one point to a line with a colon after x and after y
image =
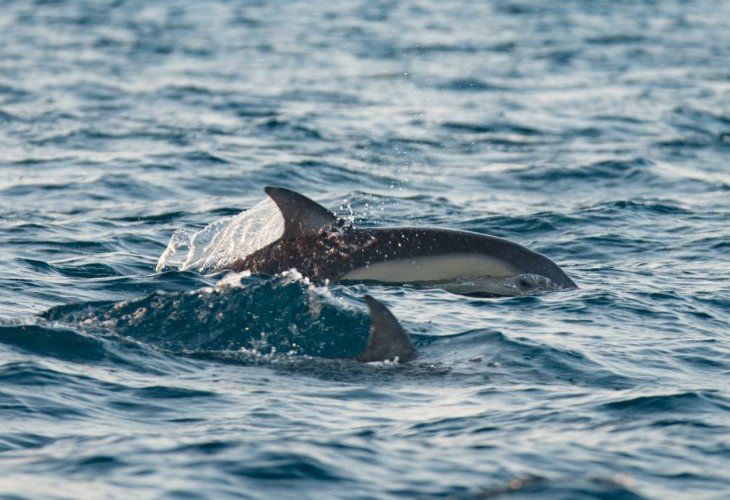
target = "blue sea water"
x: 595, y: 132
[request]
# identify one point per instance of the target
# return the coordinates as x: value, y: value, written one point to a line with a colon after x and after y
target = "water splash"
x: 223, y: 241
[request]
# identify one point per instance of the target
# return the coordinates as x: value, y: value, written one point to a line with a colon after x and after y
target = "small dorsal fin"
x: 387, y: 340
x: 302, y: 216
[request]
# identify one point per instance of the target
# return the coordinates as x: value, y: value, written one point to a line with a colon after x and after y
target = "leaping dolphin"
x: 323, y: 247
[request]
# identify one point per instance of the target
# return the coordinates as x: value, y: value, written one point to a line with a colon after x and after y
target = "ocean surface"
x: 594, y: 132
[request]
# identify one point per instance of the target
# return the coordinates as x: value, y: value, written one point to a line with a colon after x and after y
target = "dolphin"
x: 324, y: 247
x: 387, y: 341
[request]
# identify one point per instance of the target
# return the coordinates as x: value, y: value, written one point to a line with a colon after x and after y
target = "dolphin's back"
x: 401, y: 255
x: 322, y: 247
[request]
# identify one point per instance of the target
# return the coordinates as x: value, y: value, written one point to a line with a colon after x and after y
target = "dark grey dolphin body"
x: 322, y: 247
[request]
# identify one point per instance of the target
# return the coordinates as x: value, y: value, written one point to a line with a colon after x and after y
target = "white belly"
x: 436, y: 268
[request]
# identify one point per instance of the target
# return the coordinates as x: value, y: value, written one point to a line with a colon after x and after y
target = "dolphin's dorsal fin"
x: 302, y: 216
x: 387, y: 340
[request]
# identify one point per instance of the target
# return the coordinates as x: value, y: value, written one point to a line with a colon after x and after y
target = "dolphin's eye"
x: 523, y: 283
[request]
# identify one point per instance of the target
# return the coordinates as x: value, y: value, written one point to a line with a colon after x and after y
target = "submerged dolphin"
x: 387, y: 341
x: 323, y: 247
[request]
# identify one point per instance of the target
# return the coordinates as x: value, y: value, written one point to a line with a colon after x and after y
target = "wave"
x: 58, y: 342
x: 685, y: 402
x: 242, y: 313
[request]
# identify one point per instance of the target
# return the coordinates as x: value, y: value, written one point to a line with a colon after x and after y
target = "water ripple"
x: 595, y: 134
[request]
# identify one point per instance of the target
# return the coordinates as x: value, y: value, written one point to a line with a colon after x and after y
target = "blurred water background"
x: 595, y: 132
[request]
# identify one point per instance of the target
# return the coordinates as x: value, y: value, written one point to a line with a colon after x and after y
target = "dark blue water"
x: 597, y: 133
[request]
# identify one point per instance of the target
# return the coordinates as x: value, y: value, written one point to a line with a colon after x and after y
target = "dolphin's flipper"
x: 387, y: 340
x: 302, y: 216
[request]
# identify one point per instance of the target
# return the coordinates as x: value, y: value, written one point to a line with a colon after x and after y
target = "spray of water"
x: 223, y: 241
